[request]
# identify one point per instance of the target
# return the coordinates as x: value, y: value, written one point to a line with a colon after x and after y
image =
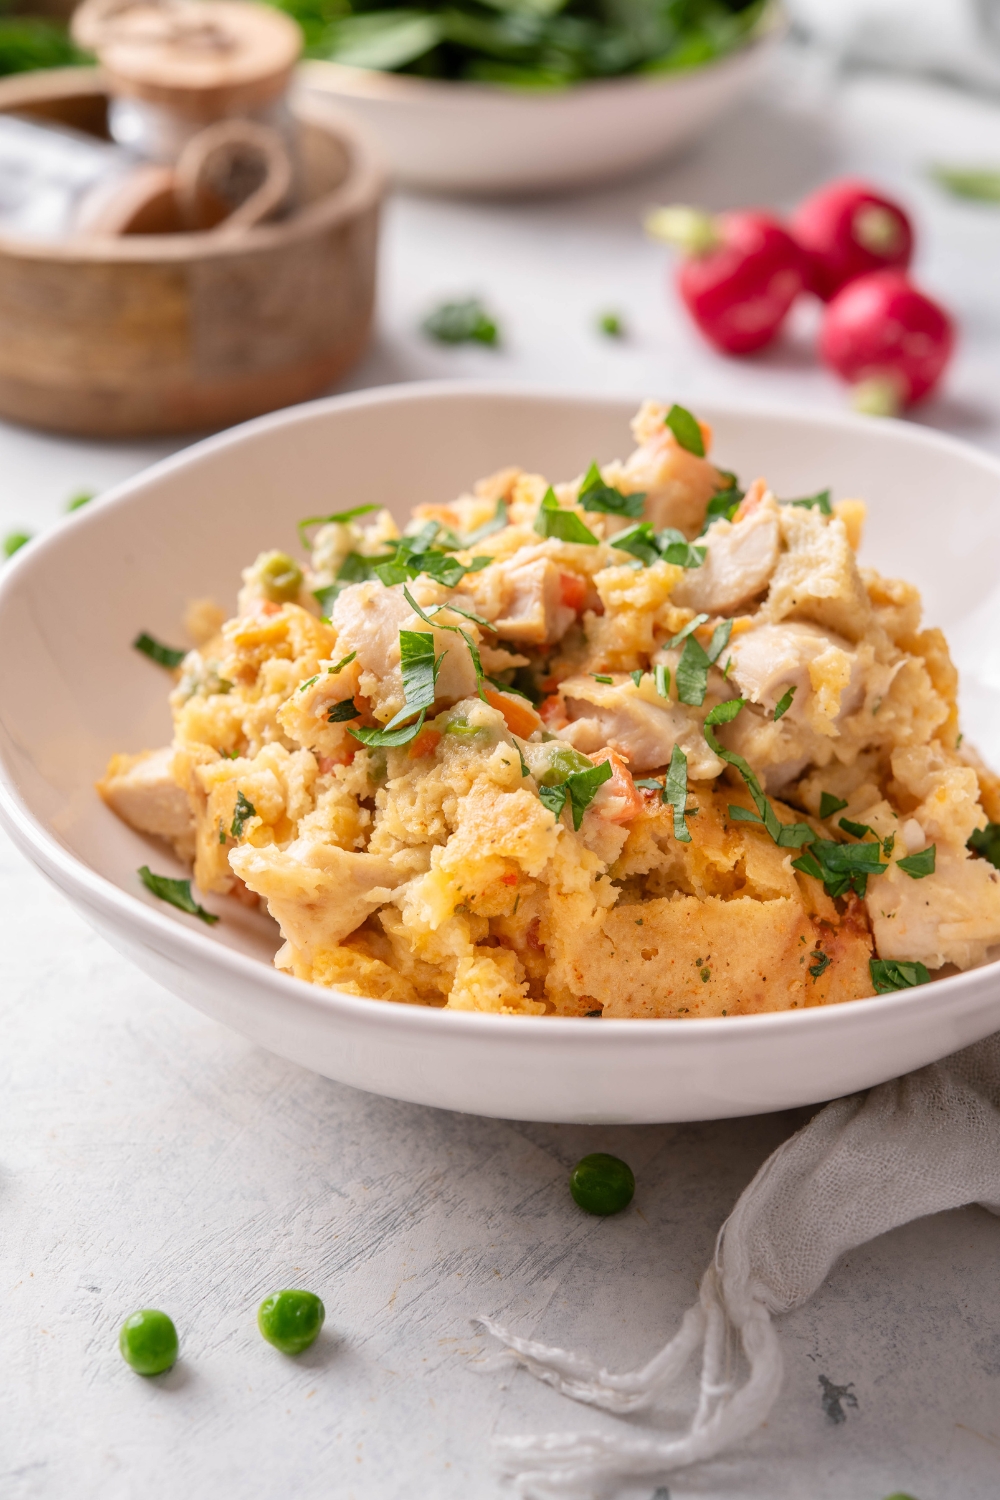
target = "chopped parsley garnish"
x: 724, y: 505
x: 164, y: 656
x: 465, y: 322
x: 498, y: 522
x: 829, y: 804
x: 686, y: 430
x: 841, y: 867
x: 599, y: 677
x: 857, y: 829
x: 675, y: 791
x: 822, y: 963
x: 339, y: 518
x: 345, y: 661
x: 596, y: 495
x: 820, y: 502
x: 661, y: 676
x: 507, y: 687
x: 611, y: 324
x: 785, y: 835
x: 14, y: 541
x: 986, y: 843
x: 176, y: 892
x: 636, y: 677
x: 419, y: 667
x: 692, y: 669
x: 413, y: 555
x: 79, y: 501
x: 668, y: 545
x: 552, y: 520
x: 579, y: 788
x: 242, y: 812
x: 896, y: 974
x: 341, y: 712
x: 308, y: 683
x: 784, y: 703
x: 686, y: 630
x: 456, y: 630
x: 919, y: 865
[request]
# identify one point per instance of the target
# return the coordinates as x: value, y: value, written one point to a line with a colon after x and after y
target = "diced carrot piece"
x: 553, y: 713
x: 425, y: 743
x: 509, y: 879
x: 751, y: 500
x: 572, y: 591
x: 518, y: 713
x: 706, y: 436
x: 617, y: 801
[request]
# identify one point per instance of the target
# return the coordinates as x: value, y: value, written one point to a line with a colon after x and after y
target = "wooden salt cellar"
x: 158, y: 333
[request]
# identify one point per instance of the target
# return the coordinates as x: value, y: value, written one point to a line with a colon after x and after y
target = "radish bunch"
x: 741, y: 272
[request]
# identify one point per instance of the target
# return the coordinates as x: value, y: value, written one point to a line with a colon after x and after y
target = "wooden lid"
x: 203, y: 58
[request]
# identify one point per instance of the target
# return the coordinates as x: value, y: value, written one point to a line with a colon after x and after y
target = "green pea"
x: 602, y: 1184
x: 563, y: 763
x: 462, y: 726
x: 280, y: 577
x: 148, y: 1341
x: 291, y: 1320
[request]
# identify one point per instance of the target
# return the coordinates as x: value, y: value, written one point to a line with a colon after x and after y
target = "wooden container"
x: 149, y: 334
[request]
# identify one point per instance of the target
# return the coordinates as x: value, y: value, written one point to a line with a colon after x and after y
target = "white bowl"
x: 487, y: 139
x: 72, y: 691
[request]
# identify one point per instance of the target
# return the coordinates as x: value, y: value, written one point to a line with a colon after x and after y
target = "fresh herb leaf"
x: 342, y: 711
x: 499, y: 521
x: 599, y: 677
x: 986, y: 843
x: 389, y: 739
x: 596, y: 495
x: 479, y: 563
x: 686, y: 430
x: 456, y: 629
x: 465, y: 322
x: 919, y: 865
x: 841, y: 867
x: 612, y: 325
x: 580, y: 788
x: 243, y: 811
x: 785, y: 835
x: 636, y: 677
x: 661, y: 677
x: 724, y: 505
x: 981, y: 184
x: 675, y: 792
x: 857, y: 829
x: 345, y: 661
x: 784, y: 703
x: 508, y: 687
x: 308, y: 683
x: 164, y: 656
x: 339, y: 518
x: 692, y: 669
x: 889, y: 974
x: 686, y: 630
x: 524, y: 763
x: 820, y: 502
x: 649, y: 782
x: 821, y: 965
x: 14, y: 541
x: 176, y: 892
x: 639, y: 541
x: 79, y: 501
x: 829, y: 804
x: 552, y: 520
x: 675, y: 548
x: 419, y: 668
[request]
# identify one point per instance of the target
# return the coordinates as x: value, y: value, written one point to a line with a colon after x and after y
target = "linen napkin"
x: 863, y: 1165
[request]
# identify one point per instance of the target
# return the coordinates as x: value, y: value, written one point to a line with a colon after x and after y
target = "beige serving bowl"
x: 154, y: 333
x: 489, y: 139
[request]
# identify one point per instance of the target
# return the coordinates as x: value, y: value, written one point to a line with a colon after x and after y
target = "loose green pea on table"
x: 602, y: 1184
x: 148, y: 1341
x: 291, y: 1320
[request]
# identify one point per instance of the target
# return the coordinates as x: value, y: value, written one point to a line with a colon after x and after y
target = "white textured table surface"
x: 149, y: 1157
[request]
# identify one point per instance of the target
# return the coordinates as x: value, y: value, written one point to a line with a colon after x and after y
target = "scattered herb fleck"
x: 612, y: 325
x: 819, y: 501
x: 244, y: 810
x: 675, y: 792
x: 784, y: 703
x: 821, y: 965
x: 986, y: 843
x: 919, y: 865
x: 580, y: 788
x: 896, y: 974
x: 176, y: 892
x: 686, y: 430
x: 636, y: 677
x: 981, y: 184
x: 465, y: 322
x: 829, y: 804
x: 164, y: 656
x: 339, y: 518
x: 785, y: 835
x: 14, y: 541
x: 595, y: 495
x: 342, y: 711
x: 552, y: 520
x: 77, y: 502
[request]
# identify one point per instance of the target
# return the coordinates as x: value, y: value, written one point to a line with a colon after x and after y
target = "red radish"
x: 887, y: 339
x: 848, y: 229
x: 741, y: 273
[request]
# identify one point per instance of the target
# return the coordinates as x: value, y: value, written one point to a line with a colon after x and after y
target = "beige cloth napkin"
x: 863, y: 1165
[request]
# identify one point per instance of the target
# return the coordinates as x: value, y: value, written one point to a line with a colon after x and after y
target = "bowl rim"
x: 192, y: 948
x: 378, y: 85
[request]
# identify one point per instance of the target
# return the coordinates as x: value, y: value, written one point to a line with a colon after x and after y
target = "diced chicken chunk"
x: 633, y: 721
x: 741, y: 559
x: 949, y: 917
x: 770, y: 659
x: 677, y: 484
x: 369, y: 617
x: 317, y: 893
x: 532, y: 608
x: 142, y: 791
